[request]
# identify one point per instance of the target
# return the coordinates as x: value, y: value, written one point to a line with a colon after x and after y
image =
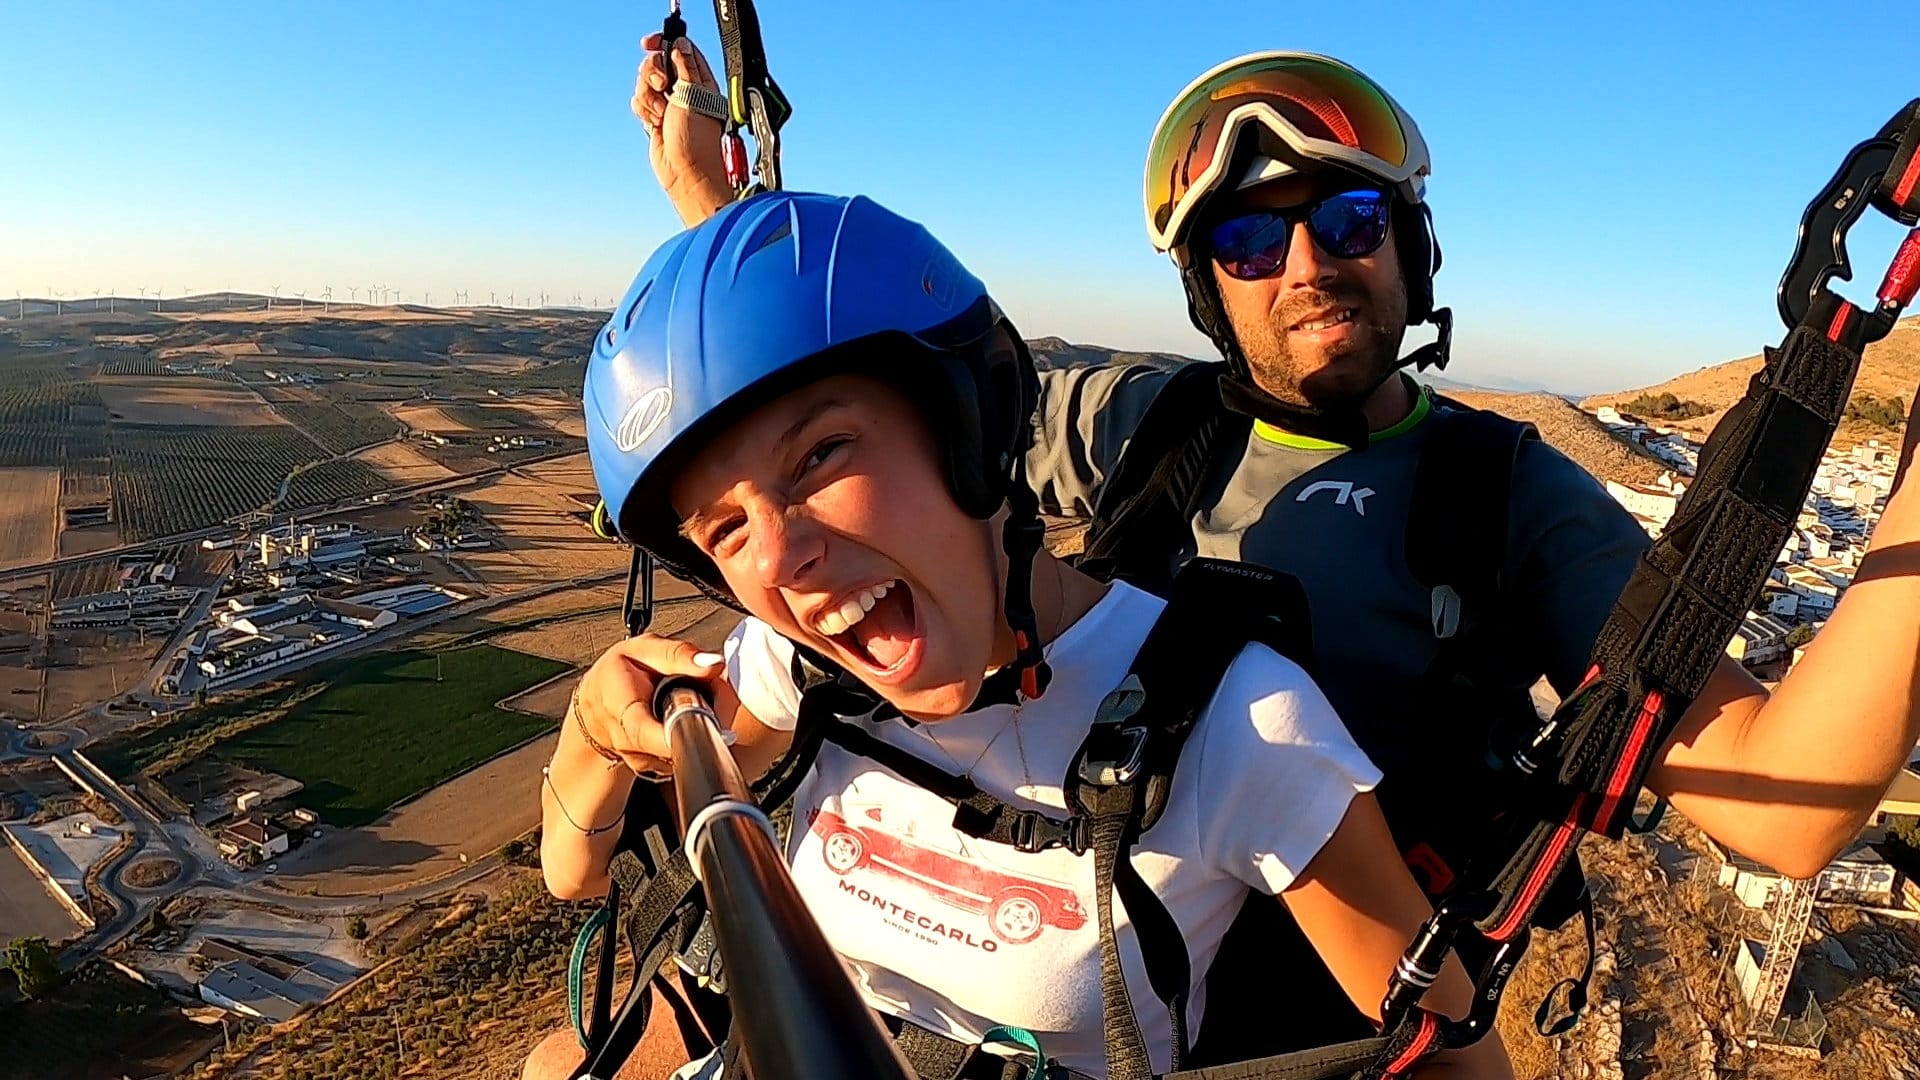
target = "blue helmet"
x: 782, y: 289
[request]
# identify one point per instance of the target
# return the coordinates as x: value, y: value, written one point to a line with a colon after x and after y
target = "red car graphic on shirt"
x: 1017, y: 907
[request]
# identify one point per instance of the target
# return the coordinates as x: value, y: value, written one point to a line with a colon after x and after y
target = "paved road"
x: 149, y: 838
x: 13, y: 740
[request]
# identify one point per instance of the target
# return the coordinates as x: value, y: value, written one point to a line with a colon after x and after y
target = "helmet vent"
x: 633, y: 312
x: 780, y: 232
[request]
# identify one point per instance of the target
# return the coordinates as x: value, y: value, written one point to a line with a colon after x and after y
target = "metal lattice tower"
x: 1792, y: 911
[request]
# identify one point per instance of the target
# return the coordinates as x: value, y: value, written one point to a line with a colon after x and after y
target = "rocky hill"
x: 1890, y: 368
x: 1574, y: 433
x: 1055, y: 352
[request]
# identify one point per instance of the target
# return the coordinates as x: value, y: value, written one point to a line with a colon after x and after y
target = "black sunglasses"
x: 1348, y: 225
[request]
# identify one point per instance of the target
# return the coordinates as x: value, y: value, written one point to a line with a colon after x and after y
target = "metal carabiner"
x: 1820, y: 254
x: 764, y: 123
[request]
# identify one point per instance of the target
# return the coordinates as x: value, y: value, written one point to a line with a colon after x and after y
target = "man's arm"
x: 1788, y: 780
x: 1084, y: 419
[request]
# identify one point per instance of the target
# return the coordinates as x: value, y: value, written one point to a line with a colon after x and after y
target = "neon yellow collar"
x: 1422, y: 405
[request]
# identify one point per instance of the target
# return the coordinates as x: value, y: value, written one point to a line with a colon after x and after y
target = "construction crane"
x: 1792, y: 911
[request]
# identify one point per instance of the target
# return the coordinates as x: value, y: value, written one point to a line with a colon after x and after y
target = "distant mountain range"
x: 1056, y: 352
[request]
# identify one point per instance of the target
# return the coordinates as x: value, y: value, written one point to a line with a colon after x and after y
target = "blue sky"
x: 1616, y: 187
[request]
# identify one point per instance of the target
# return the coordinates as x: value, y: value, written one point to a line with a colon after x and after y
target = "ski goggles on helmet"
x: 1347, y: 225
x: 1303, y: 108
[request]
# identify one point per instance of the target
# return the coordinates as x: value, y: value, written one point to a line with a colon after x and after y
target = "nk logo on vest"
x: 1344, y: 494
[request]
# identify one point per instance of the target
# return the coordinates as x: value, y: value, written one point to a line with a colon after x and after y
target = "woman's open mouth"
x: 878, y: 628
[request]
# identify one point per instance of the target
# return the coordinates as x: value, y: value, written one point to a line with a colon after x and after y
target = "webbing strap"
x: 936, y: 1057
x: 933, y: 1057
x: 1143, y: 513
x: 666, y: 910
x: 1686, y: 599
x: 1124, y: 772
x: 1110, y: 810
x: 976, y: 813
x: 1696, y: 583
x: 1320, y: 1063
x: 1899, y: 190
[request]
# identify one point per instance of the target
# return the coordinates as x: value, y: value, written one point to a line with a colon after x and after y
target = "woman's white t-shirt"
x: 958, y: 934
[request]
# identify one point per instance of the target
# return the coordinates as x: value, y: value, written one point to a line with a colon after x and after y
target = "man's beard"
x: 1331, y: 377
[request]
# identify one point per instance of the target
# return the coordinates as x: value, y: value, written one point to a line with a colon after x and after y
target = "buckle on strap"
x: 1114, y: 748
x: 1033, y: 832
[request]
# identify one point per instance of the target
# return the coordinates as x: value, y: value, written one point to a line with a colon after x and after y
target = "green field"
x: 383, y: 729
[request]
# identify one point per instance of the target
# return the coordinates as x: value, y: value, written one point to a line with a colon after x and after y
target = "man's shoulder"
x: 1100, y: 387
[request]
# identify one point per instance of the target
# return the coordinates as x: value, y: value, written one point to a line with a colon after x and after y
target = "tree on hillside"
x: 31, y: 959
x: 1665, y: 406
x: 1800, y: 636
x: 356, y: 928
x: 1888, y: 412
x: 516, y: 851
x: 1906, y: 829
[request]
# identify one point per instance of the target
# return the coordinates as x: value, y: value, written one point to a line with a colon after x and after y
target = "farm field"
x: 87, y: 481
x: 340, y: 426
x: 176, y: 479
x: 542, y: 533
x: 472, y: 815
x: 135, y: 364
x: 29, y: 503
x: 428, y: 418
x: 20, y: 625
x: 89, y: 540
x: 180, y: 402
x: 104, y: 668
x: 402, y: 465
x: 333, y: 481
x: 385, y: 729
x: 19, y: 689
x: 579, y: 638
x: 36, y: 416
x: 533, y: 612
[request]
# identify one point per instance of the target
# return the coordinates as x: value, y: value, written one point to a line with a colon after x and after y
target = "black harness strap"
x: 1685, y: 600
x: 667, y: 905
x: 1144, y: 512
x: 1457, y: 520
x: 976, y: 813
x: 932, y: 1056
